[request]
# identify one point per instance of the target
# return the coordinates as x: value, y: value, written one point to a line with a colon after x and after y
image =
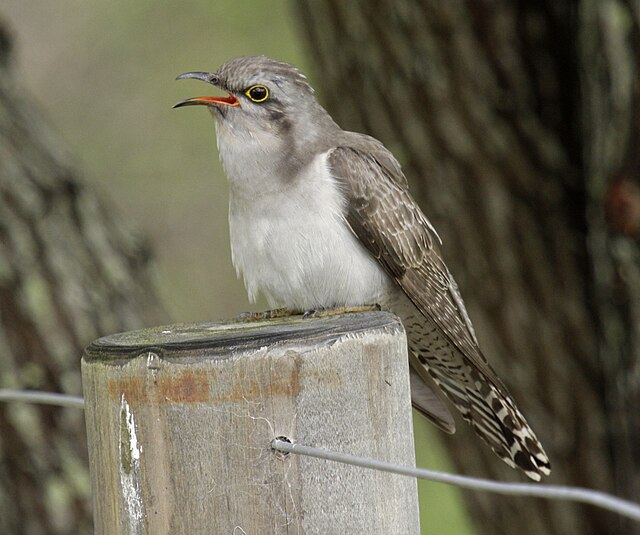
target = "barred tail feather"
x: 483, y: 401
x: 492, y: 414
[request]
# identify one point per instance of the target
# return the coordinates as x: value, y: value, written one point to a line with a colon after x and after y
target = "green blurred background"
x: 103, y: 73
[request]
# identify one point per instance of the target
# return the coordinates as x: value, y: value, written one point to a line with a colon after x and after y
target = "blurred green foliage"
x: 103, y: 72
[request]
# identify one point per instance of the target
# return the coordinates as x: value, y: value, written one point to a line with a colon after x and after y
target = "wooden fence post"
x: 180, y: 420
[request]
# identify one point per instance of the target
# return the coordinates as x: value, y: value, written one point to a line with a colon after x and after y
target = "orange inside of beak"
x: 227, y: 101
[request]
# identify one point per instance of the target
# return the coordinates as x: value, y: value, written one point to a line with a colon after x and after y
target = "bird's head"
x: 263, y: 95
x: 269, y: 117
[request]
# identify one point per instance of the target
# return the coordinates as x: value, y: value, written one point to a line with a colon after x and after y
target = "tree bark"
x: 69, y: 273
x: 517, y: 124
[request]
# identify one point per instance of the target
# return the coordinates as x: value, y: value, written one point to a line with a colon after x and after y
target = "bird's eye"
x: 257, y: 93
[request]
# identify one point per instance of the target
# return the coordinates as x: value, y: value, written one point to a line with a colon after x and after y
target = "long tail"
x: 483, y: 402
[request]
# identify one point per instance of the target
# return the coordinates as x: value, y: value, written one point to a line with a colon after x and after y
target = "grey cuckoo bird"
x: 322, y: 218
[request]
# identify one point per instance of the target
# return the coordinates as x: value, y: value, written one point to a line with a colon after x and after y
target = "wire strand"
x: 43, y: 398
x: 576, y: 494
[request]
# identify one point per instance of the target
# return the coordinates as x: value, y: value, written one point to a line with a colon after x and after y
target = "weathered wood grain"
x: 180, y: 421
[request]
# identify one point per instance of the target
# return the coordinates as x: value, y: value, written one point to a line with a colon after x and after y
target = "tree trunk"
x: 69, y: 272
x: 517, y: 124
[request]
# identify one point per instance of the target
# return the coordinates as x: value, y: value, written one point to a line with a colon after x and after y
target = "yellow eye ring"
x: 257, y: 93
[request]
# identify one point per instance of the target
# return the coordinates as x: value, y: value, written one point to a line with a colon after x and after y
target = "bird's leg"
x: 268, y: 314
x: 335, y: 311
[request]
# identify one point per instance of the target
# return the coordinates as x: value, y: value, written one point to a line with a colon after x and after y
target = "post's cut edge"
x: 223, y: 337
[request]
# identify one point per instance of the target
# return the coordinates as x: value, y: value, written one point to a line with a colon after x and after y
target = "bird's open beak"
x: 210, y: 78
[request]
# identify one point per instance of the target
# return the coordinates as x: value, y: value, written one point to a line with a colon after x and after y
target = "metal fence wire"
x: 284, y: 445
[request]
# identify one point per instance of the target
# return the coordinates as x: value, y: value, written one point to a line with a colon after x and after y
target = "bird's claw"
x: 321, y: 312
x: 265, y: 315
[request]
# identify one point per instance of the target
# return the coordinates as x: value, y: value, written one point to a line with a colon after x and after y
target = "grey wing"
x: 388, y: 221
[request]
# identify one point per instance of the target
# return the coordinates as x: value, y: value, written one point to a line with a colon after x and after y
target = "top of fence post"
x: 180, y: 421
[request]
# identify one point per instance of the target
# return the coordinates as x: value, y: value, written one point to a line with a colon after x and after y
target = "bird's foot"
x: 267, y: 314
x: 335, y: 311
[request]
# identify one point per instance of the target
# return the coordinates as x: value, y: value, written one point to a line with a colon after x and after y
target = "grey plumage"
x: 332, y: 223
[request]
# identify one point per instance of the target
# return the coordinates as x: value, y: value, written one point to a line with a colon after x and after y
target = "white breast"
x: 294, y: 246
